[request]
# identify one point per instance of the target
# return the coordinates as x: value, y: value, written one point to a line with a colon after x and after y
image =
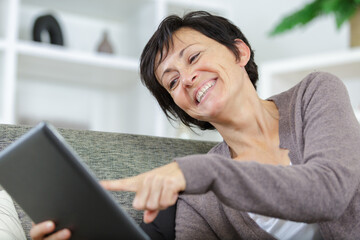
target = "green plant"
x: 342, y: 9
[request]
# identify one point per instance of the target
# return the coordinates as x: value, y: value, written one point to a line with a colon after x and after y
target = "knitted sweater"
x: 318, y: 127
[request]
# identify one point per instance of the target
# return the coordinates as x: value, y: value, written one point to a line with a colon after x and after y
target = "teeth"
x: 201, y: 93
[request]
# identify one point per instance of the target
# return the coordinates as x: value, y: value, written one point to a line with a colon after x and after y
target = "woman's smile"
x: 204, y: 89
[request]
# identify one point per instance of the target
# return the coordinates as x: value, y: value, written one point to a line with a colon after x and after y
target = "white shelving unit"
x: 2, y: 45
x: 279, y: 76
x: 73, y: 85
x: 84, y: 67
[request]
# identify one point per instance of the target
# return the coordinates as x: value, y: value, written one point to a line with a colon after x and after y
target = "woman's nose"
x: 189, y: 80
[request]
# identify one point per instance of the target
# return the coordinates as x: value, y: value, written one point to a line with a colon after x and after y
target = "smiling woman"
x: 158, y: 47
x: 201, y: 75
x: 279, y: 173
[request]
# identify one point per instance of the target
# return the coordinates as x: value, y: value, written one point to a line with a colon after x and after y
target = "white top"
x: 284, y: 229
x: 10, y: 226
x: 287, y: 230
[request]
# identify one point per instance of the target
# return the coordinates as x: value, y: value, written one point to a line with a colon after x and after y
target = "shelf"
x: 49, y: 51
x: 56, y: 62
x: 181, y: 7
x: 279, y: 76
x: 107, y: 9
x: 314, y: 61
x: 212, y: 6
x: 85, y: 32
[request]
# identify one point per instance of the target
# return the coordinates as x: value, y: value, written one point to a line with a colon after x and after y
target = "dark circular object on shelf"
x: 50, y: 25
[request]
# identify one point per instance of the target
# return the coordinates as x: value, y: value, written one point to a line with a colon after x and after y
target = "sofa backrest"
x: 114, y: 155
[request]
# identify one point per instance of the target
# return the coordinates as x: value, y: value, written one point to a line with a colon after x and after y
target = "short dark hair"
x: 215, y: 27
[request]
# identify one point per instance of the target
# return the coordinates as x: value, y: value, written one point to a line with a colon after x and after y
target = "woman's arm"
x: 318, y: 190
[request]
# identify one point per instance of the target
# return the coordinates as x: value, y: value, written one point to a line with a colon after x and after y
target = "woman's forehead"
x: 187, y: 35
x: 180, y: 39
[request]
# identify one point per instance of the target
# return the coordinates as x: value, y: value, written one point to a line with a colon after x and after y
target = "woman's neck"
x: 255, y: 125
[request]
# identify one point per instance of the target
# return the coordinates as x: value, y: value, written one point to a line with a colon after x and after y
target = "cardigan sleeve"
x: 319, y: 189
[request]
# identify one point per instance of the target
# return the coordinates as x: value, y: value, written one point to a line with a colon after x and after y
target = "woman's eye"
x: 193, y: 58
x: 173, y: 83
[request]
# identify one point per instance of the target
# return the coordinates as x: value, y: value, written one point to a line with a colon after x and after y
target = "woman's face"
x: 203, y: 76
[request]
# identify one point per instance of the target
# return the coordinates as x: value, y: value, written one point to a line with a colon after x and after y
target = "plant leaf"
x: 330, y: 5
x: 301, y: 17
x: 344, y: 12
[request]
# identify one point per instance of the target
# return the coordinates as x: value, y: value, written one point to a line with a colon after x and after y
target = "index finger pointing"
x: 126, y: 184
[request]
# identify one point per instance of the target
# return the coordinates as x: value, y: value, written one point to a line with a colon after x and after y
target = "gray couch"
x: 114, y: 155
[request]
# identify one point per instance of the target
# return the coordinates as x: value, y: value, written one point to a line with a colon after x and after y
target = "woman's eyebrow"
x: 165, y: 72
x: 183, y: 50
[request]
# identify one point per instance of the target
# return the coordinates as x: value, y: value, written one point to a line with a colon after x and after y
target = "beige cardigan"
x: 318, y: 126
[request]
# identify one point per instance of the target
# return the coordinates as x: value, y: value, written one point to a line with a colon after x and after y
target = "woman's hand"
x: 40, y: 231
x: 155, y: 190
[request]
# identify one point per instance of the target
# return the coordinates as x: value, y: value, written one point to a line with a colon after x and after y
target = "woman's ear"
x: 244, y: 52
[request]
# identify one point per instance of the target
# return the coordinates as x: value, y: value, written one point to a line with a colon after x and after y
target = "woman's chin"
x: 208, y: 113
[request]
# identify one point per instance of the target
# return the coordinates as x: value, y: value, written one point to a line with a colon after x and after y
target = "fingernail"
x: 64, y: 233
x: 49, y: 225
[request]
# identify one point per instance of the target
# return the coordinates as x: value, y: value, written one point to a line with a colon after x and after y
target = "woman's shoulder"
x: 320, y: 80
x: 321, y: 87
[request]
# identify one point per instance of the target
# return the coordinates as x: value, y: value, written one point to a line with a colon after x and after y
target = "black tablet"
x: 47, y: 179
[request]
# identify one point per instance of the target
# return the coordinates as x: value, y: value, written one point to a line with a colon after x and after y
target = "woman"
x: 289, y: 166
